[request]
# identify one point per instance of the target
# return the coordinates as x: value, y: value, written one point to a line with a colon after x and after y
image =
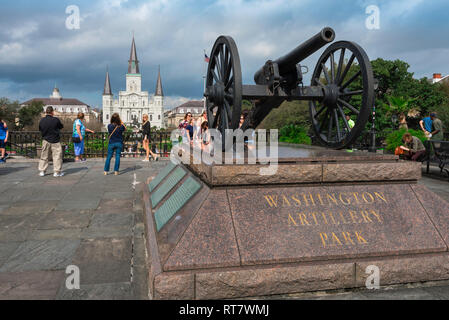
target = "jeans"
x: 117, y: 146
x: 79, y: 148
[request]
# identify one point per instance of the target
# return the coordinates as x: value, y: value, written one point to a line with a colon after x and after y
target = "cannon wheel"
x: 224, y: 87
x: 345, y: 74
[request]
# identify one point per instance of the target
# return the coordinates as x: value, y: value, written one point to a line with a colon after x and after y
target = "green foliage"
x: 394, y: 139
x: 246, y: 105
x: 294, y: 134
x: 28, y: 113
x: 8, y: 111
x: 396, y: 81
x: 397, y: 105
x: 290, y: 112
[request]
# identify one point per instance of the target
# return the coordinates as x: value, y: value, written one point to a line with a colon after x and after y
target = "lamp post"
x: 373, y: 147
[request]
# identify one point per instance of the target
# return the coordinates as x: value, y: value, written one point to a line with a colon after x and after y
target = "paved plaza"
x: 96, y: 223
x: 83, y: 219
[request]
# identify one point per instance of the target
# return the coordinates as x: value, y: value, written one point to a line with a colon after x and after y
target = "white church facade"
x: 133, y: 103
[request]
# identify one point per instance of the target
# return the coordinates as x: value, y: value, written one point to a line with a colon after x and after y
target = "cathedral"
x: 133, y: 103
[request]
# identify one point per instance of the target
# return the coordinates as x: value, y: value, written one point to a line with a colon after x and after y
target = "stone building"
x: 65, y: 108
x: 133, y: 103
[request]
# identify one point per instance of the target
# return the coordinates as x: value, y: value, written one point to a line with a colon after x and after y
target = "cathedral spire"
x: 107, y: 85
x: 159, y: 91
x: 133, y: 66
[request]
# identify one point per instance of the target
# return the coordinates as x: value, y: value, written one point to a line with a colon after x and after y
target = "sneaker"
x: 6, y: 156
x: 42, y: 174
x: 60, y: 174
x: 116, y: 173
x: 145, y: 160
x: 2, y: 161
x: 106, y: 173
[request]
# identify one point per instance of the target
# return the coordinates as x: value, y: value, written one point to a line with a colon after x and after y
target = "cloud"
x: 40, y: 51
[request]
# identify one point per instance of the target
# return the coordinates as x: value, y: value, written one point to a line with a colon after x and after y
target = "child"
x: 4, y: 133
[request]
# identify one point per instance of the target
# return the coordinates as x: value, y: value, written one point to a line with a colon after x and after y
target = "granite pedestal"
x: 225, y: 231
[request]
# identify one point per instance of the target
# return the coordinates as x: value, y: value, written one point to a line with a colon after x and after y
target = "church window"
x: 151, y: 117
x: 107, y: 117
x: 159, y: 116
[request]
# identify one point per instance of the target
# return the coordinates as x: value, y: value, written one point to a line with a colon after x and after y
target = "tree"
x: 290, y: 112
x: 8, y: 111
x: 398, y: 105
x: 27, y: 114
x: 396, y: 81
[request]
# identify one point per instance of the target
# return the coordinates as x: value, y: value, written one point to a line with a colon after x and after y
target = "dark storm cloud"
x: 37, y: 51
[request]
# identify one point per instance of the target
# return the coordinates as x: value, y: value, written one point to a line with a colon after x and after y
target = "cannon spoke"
x: 228, y: 63
x: 215, y: 118
x: 340, y: 64
x: 340, y: 109
x: 337, y: 125
x: 228, y: 111
x: 329, y: 132
x: 326, y: 73
x: 215, y: 76
x: 228, y: 72
x: 332, y: 67
x: 222, y: 63
x: 351, y: 93
x: 349, y: 106
x: 345, y: 72
x: 317, y: 81
x: 319, y: 112
x: 323, y: 119
x: 230, y: 83
x: 347, y: 83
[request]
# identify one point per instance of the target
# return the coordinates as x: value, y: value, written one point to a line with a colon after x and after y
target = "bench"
x: 440, y: 154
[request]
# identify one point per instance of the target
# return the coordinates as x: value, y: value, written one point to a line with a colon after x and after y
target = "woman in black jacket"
x: 146, y: 134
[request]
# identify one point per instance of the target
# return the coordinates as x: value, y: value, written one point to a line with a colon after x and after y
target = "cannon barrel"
x: 288, y: 62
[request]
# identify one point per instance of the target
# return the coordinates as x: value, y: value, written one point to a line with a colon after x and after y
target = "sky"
x: 38, y: 51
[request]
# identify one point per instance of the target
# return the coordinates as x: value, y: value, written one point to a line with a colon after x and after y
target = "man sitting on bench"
x: 414, y: 147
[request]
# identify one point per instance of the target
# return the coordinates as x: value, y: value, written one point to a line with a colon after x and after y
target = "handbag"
x: 76, y: 139
x: 116, y: 127
x: 398, y: 151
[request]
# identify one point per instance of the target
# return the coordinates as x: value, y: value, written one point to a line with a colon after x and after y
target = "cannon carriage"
x: 342, y: 84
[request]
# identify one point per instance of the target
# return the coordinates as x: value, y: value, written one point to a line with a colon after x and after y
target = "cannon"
x: 342, y: 84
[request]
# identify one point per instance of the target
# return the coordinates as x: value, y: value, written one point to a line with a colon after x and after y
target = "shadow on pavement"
x: 74, y: 170
x: 130, y: 169
x: 8, y: 170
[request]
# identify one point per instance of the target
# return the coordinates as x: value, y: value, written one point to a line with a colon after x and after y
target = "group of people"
x: 50, y: 128
x: 413, y: 148
x: 195, y: 130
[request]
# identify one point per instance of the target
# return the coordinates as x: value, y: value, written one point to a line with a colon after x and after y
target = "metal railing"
x: 95, y: 145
